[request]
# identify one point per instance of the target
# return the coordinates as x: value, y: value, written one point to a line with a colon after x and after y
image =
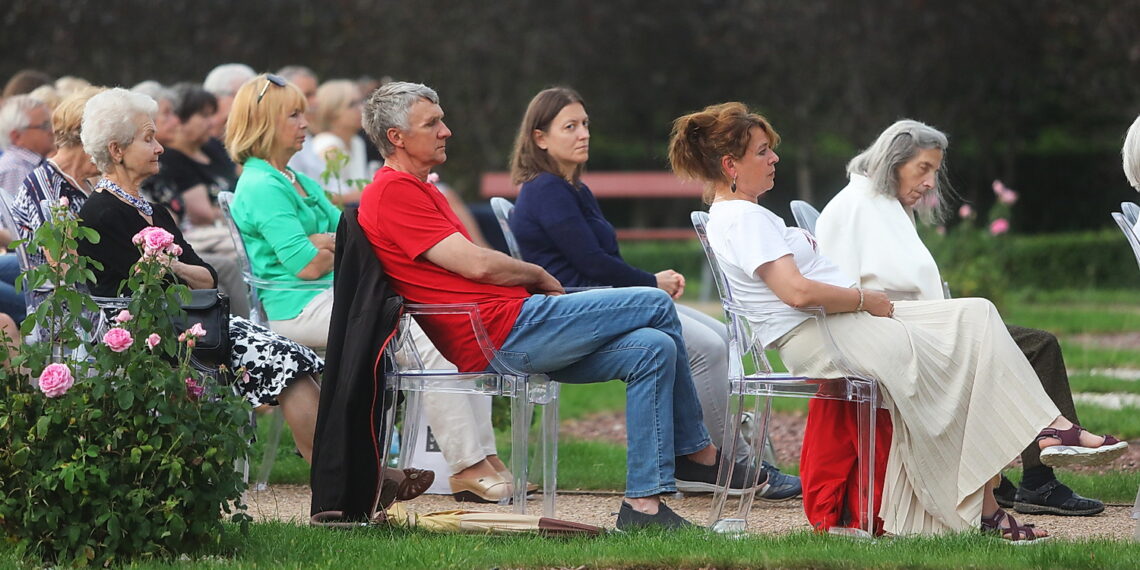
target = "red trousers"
x: 829, y: 461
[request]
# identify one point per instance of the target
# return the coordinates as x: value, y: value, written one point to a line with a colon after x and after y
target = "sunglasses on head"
x: 275, y: 80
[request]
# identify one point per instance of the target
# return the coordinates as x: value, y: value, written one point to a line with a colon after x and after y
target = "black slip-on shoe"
x: 630, y: 519
x: 1055, y: 498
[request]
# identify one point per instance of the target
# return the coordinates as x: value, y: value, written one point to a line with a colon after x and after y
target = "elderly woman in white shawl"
x: 1130, y: 155
x: 868, y: 229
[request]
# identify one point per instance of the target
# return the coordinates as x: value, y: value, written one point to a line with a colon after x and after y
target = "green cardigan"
x: 275, y: 222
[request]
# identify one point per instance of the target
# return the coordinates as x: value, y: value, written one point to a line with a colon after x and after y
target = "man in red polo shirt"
x: 630, y: 333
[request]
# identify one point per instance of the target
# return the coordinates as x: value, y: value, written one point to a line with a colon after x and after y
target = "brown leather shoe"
x: 404, y: 485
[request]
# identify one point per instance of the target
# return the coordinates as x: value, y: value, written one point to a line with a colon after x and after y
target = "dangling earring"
x: 733, y: 187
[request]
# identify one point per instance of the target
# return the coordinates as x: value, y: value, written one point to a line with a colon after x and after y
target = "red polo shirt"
x: 403, y: 217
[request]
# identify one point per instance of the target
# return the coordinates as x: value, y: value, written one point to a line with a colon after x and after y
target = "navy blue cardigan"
x: 561, y: 228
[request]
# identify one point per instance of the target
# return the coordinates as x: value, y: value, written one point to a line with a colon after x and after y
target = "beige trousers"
x: 963, y: 399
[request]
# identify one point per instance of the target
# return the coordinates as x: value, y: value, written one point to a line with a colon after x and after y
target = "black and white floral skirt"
x: 271, y: 361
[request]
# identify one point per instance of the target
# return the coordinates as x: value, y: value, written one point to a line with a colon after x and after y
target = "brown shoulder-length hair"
x: 527, y: 159
x: 251, y: 129
x: 699, y: 140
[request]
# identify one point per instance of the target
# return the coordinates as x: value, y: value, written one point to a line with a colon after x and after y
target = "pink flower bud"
x: 999, y: 226
x: 432, y: 178
x: 64, y: 202
x: 965, y: 212
x: 153, y: 340
x: 197, y: 330
x: 1008, y: 197
x: 118, y: 339
x: 193, y: 389
x: 56, y: 380
x: 123, y: 316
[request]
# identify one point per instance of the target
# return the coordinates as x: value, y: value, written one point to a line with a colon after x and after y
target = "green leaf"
x: 42, y: 426
x: 20, y: 457
x: 125, y: 398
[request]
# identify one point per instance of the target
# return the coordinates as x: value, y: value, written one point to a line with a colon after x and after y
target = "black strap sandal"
x: 1015, y: 533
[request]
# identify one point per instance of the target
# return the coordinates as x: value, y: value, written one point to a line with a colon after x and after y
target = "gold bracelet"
x: 860, y: 307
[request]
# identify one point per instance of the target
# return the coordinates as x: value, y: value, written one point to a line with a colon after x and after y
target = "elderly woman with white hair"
x: 118, y: 131
x: 868, y: 229
x: 1130, y: 154
x: 337, y: 124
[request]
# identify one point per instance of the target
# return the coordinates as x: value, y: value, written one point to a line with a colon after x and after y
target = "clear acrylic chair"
x: 503, y: 209
x: 409, y: 376
x: 1131, y: 212
x: 1129, y: 233
x: 764, y: 384
x: 805, y: 215
x: 257, y: 316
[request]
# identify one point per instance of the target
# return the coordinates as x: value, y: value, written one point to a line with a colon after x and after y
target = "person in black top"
x: 126, y: 152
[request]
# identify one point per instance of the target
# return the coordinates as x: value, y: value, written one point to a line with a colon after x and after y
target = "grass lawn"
x: 599, y: 465
x: 278, y: 545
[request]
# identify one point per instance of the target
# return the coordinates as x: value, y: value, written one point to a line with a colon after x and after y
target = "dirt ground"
x: 291, y: 502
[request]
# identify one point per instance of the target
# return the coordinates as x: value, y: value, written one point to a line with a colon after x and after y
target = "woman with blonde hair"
x: 963, y: 399
x: 337, y: 128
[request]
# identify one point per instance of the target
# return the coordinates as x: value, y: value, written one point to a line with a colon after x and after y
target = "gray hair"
x: 898, y: 144
x: 156, y: 91
x: 291, y: 71
x: 14, y: 116
x: 388, y: 107
x: 227, y: 78
x: 1130, y: 154
x: 110, y: 117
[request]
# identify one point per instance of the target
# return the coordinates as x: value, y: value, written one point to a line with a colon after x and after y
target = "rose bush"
x: 118, y: 450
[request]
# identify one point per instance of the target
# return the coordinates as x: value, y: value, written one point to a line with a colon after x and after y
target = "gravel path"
x: 291, y: 502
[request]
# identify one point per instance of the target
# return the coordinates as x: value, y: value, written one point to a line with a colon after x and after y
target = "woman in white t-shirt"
x: 962, y: 397
x: 337, y: 124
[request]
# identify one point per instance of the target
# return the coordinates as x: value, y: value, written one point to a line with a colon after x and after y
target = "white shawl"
x: 872, y: 236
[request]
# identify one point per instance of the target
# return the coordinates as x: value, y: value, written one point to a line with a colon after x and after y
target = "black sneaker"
x: 630, y: 519
x: 693, y: 477
x: 777, y: 486
x: 1055, y: 498
x: 1005, y: 493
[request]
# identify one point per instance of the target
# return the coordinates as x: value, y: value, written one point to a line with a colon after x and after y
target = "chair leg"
x: 277, y: 419
x: 549, y: 455
x: 732, y: 434
x: 520, y: 428
x: 867, y: 410
x: 388, y: 423
x: 410, y: 431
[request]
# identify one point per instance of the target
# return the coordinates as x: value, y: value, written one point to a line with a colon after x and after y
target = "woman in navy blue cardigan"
x: 559, y: 226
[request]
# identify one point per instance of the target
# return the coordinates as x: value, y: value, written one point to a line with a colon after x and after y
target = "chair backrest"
x: 8, y: 223
x: 1131, y: 212
x: 741, y: 339
x: 256, y: 311
x: 503, y: 209
x: 805, y: 215
x: 1129, y: 233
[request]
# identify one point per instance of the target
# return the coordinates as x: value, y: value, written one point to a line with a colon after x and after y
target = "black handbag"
x: 210, y: 309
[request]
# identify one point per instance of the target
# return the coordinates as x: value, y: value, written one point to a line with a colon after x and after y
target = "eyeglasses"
x: 44, y: 126
x: 275, y: 80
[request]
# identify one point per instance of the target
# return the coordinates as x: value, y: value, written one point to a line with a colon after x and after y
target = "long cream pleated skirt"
x: 963, y: 399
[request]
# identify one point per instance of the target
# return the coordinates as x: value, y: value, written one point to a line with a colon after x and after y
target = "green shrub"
x: 113, y: 450
x: 685, y: 256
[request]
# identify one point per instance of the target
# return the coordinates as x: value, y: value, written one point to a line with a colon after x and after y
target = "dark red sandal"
x: 1019, y: 534
x: 1070, y: 452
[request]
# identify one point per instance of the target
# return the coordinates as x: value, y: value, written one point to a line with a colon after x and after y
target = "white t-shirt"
x: 745, y: 236
x: 357, y: 167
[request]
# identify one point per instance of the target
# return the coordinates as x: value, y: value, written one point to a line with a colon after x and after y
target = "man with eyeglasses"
x: 25, y: 137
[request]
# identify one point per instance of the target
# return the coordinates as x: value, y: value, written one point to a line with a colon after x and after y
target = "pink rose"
x: 965, y: 212
x: 153, y: 340
x: 64, y: 202
x: 174, y: 249
x: 118, y: 339
x: 432, y: 177
x: 56, y: 380
x: 123, y: 316
x: 999, y: 226
x: 999, y: 187
x: 1008, y: 197
x: 157, y: 239
x: 197, y: 330
x: 245, y: 378
x: 193, y: 389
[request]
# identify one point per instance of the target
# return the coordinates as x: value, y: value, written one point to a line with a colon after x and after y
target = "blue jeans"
x: 11, y: 302
x: 630, y: 334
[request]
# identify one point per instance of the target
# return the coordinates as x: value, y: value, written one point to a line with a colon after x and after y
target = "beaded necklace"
x: 139, y: 204
x: 288, y: 174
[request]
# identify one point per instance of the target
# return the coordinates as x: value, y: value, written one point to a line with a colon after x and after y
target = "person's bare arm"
x: 195, y: 276
x: 199, y: 210
x: 321, y: 263
x: 785, y: 280
x: 458, y: 255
